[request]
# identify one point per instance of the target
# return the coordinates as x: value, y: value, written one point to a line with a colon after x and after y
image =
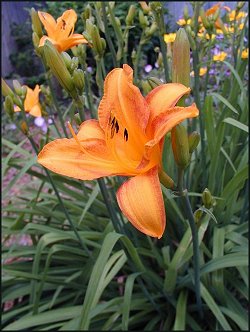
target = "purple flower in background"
x: 148, y: 68
x: 41, y: 123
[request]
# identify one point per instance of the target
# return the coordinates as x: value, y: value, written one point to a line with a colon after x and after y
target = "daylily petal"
x: 36, y: 110
x: 163, y: 97
x: 124, y: 100
x: 48, y: 21
x: 71, y: 41
x: 90, y: 129
x: 140, y: 199
x: 165, y: 121
x: 65, y: 24
x: 89, y: 161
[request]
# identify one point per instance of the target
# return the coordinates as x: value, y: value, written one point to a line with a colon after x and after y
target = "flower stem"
x: 109, y: 40
x: 137, y: 58
x: 183, y: 193
x: 164, y: 57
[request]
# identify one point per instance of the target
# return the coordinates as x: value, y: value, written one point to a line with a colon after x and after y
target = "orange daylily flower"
x: 126, y: 140
x: 60, y: 32
x: 31, y: 102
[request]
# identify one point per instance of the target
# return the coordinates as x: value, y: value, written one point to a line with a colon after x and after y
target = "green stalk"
x: 164, y: 57
x: 109, y: 40
x: 196, y: 254
x: 137, y: 58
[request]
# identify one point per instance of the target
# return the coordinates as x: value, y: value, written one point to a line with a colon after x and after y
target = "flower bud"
x: 190, y: 37
x: 58, y: 67
x: 24, y: 92
x: 150, y: 31
x: 185, y: 13
x: 24, y: 128
x: 180, y: 147
x: 181, y: 59
x: 74, y: 64
x: 145, y: 87
x: 118, y: 22
x: 197, y: 216
x: 9, y: 106
x: 6, y: 90
x: 216, y: 15
x: 207, y: 198
x: 36, y: 23
x: 87, y: 12
x: 35, y: 40
x: 145, y: 7
x: 131, y: 14
x: 79, y: 81
x: 240, y: 5
x: 67, y: 59
x: 166, y: 180
x: 143, y: 20
x: 77, y: 119
x: 156, y: 6
x: 204, y: 18
x: 159, y: 59
x: 154, y: 82
x: 17, y: 87
x: 193, y: 141
x: 97, y: 43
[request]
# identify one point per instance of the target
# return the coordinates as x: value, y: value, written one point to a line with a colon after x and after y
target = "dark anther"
x: 70, y: 32
x: 116, y: 127
x: 113, y: 122
x: 112, y: 131
x: 64, y: 24
x: 125, y: 134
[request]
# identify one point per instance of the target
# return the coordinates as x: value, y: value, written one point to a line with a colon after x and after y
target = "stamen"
x: 116, y: 127
x: 75, y: 137
x: 64, y: 24
x: 125, y: 135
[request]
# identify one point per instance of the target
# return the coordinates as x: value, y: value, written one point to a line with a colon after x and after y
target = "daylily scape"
x: 126, y: 140
x: 60, y: 32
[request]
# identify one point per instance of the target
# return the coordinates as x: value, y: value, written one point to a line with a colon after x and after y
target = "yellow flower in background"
x: 241, y: 26
x: 232, y: 15
x: 60, y: 32
x: 202, y: 71
x: 220, y: 56
x: 183, y: 22
x: 244, y: 54
x: 31, y: 102
x: 219, y: 31
x: 169, y: 38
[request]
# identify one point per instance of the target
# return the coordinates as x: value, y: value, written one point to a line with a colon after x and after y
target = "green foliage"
x: 86, y: 267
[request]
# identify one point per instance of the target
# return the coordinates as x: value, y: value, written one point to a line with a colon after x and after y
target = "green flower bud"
x: 74, y: 64
x: 154, y: 82
x: 67, y: 59
x: 216, y: 15
x: 36, y: 23
x: 150, y: 31
x: 77, y: 119
x: 24, y: 92
x: 181, y: 59
x: 240, y: 5
x: 143, y: 20
x: 145, y: 87
x: 118, y: 22
x: 166, y: 180
x: 87, y: 13
x: 207, y: 198
x: 193, y: 141
x: 17, y: 87
x: 185, y: 13
x: 6, y: 90
x: 156, y: 6
x: 131, y: 15
x: 180, y: 146
x: 9, y: 106
x: 190, y: 37
x: 97, y: 43
x: 79, y: 80
x: 204, y: 18
x: 197, y: 216
x: 159, y: 59
x: 35, y: 40
x: 58, y: 67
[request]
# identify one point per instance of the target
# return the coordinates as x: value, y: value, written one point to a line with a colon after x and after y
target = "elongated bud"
x: 67, y: 59
x: 131, y: 15
x: 142, y: 20
x: 36, y: 23
x: 145, y: 7
x: 74, y: 64
x: 190, y: 38
x: 87, y: 12
x: 79, y: 81
x: 160, y: 59
x: 179, y: 139
x: 181, y: 59
x: 197, y: 216
x: 185, y: 13
x: 145, y: 87
x: 204, y: 18
x: 17, y: 87
x: 150, y: 31
x: 9, y: 106
x: 97, y: 43
x: 240, y: 4
x: 216, y: 15
x: 193, y: 141
x: 35, y: 40
x: 24, y: 92
x: 207, y: 198
x: 154, y: 82
x: 6, y: 90
x: 58, y: 67
x: 166, y: 180
x: 24, y: 128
